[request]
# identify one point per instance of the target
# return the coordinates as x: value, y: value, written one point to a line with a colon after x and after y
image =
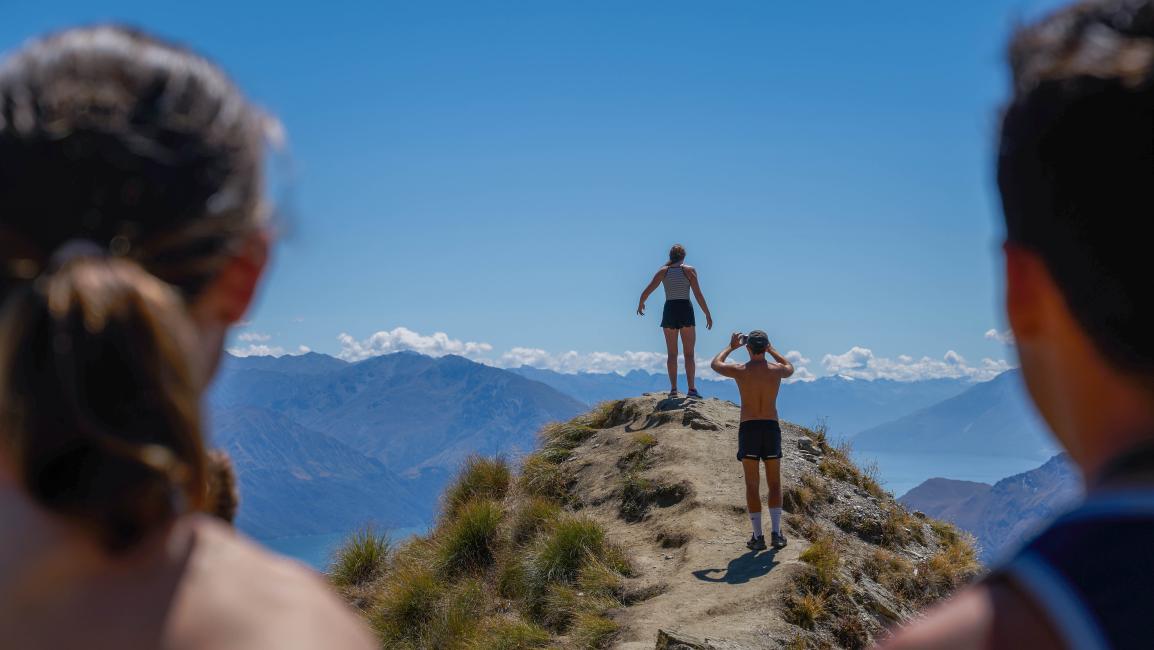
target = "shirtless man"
x: 759, y: 435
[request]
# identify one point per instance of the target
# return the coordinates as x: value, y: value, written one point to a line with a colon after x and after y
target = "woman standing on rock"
x: 677, y: 317
x: 133, y: 234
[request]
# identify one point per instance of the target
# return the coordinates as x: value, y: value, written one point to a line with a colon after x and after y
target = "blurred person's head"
x: 131, y: 238
x: 676, y: 254
x: 1076, y: 174
x: 223, y: 497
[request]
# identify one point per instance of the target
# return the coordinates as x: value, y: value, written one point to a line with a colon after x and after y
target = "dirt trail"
x: 690, y: 544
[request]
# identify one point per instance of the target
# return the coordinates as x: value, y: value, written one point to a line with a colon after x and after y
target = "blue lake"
x: 900, y: 472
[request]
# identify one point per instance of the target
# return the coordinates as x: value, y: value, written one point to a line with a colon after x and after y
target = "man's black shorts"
x: 760, y: 439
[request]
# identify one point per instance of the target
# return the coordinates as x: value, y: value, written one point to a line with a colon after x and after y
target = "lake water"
x: 317, y: 550
x: 900, y: 472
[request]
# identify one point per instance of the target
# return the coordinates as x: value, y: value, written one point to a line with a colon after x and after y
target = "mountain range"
x: 847, y: 405
x: 1003, y: 515
x: 323, y: 445
x: 994, y: 418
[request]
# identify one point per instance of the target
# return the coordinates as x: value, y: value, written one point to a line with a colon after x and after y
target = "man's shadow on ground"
x: 741, y: 569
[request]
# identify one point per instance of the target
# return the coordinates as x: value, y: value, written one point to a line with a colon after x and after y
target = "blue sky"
x: 511, y: 174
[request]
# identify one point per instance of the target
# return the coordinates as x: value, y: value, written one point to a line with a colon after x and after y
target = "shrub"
x: 479, y: 478
x: 362, y: 558
x: 468, y: 540
x: 533, y: 515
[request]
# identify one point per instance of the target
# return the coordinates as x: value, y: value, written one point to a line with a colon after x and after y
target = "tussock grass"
x: 480, y: 477
x: 610, y: 414
x: 824, y: 559
x: 566, y: 435
x: 469, y: 540
x: 837, y: 463
x: 851, y: 632
x: 541, y: 476
x: 592, y: 631
x: 808, y: 496
x: 638, y: 494
x: 644, y: 440
x: 507, y: 566
x: 510, y: 634
x: 895, y: 528
x: 533, y: 515
x: 361, y: 559
x: 805, y: 608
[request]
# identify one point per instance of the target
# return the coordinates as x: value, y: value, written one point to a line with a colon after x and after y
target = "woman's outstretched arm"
x: 650, y: 289
x: 692, y: 273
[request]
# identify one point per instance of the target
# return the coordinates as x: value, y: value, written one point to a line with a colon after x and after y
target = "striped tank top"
x: 676, y: 284
x: 1092, y: 572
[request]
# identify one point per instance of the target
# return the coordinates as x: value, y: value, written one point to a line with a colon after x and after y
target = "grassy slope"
x: 514, y: 563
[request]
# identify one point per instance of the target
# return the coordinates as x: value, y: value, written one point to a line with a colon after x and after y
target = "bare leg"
x: 689, y: 339
x: 752, y: 484
x: 671, y: 362
x: 773, y: 481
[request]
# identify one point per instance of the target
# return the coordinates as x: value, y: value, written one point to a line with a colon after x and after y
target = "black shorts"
x: 760, y: 439
x: 677, y: 314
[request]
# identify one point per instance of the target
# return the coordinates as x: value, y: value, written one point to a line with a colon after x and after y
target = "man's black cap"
x: 758, y: 341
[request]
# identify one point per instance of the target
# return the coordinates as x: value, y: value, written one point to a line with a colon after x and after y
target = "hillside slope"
x: 294, y: 481
x: 994, y: 418
x: 629, y: 524
x: 1005, y: 514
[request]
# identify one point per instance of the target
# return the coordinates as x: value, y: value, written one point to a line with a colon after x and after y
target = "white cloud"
x: 1005, y: 338
x: 258, y: 350
x: 402, y: 338
x: 254, y: 337
x: 861, y: 363
x: 573, y: 361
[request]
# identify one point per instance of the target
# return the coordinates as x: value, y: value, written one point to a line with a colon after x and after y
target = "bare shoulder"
x: 992, y: 614
x: 268, y: 600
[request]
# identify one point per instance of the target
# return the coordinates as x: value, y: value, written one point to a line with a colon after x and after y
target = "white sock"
x: 755, y: 519
x: 775, y: 519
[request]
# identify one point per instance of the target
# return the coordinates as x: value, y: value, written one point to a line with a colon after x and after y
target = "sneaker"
x: 778, y: 540
x: 673, y: 394
x: 756, y: 543
x: 694, y: 394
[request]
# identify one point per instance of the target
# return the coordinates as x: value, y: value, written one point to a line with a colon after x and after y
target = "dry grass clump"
x: 506, y: 567
x: 807, y: 497
x: 362, y: 558
x: 639, y: 494
x: 893, y: 528
x: 480, y: 477
x: 838, y: 464
x: 610, y: 414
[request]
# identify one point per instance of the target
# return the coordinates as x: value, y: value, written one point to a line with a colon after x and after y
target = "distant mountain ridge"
x: 991, y: 418
x: 375, y: 439
x: 847, y: 405
x: 1003, y: 515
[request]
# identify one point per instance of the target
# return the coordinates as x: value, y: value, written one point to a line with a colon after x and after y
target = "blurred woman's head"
x: 677, y: 254
x: 131, y: 237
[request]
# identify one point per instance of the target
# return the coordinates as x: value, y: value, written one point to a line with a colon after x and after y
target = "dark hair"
x: 1076, y: 166
x: 676, y: 254
x: 223, y: 498
x: 130, y: 169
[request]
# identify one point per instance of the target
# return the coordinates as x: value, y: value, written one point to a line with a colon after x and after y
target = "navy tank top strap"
x: 1092, y: 571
